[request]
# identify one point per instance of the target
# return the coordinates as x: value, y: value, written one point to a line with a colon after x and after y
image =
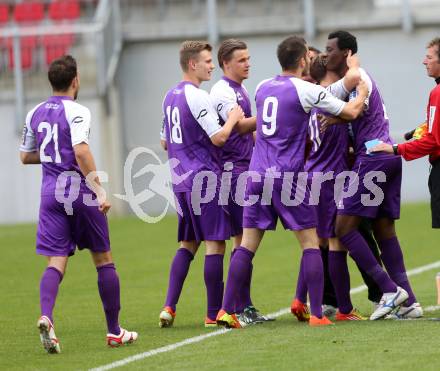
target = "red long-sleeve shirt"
x: 430, y: 143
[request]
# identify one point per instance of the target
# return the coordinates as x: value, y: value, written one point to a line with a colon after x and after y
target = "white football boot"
x: 389, y: 302
x: 47, y: 335
x: 125, y: 337
x: 412, y: 311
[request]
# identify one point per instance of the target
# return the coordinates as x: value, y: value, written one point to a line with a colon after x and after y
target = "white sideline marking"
x: 197, y: 339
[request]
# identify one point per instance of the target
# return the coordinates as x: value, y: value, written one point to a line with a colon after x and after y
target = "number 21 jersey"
x: 52, y: 128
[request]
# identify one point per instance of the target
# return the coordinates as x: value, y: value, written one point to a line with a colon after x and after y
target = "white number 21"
x: 51, y: 134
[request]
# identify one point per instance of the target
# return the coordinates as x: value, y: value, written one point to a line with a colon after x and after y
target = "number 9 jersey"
x: 283, y: 111
x: 53, y: 128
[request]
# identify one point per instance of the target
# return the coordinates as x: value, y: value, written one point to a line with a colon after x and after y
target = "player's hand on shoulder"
x: 362, y: 88
x: 327, y: 121
x: 236, y: 113
x: 353, y: 60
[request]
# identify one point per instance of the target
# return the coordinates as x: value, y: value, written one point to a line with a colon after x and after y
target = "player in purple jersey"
x: 193, y: 137
x: 283, y: 110
x: 372, y: 127
x: 56, y: 135
x: 233, y: 58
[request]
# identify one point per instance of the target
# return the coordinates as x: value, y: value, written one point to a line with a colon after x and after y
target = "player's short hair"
x: 61, y: 72
x: 317, y: 69
x: 190, y: 50
x: 345, y: 40
x: 290, y: 51
x: 435, y: 41
x: 227, y: 48
x: 313, y: 49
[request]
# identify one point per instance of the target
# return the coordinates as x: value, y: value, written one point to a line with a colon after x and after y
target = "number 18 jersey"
x: 52, y: 128
x: 190, y: 120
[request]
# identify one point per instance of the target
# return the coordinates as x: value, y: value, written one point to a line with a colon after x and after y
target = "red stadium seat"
x: 56, y: 46
x: 64, y: 9
x: 29, y: 11
x: 4, y: 14
x: 27, y: 47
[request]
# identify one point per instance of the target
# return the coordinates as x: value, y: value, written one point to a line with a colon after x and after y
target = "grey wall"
x: 149, y: 69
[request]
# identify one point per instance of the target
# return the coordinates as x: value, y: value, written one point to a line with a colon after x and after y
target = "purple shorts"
x: 293, y: 217
x: 59, y: 234
x: 213, y: 223
x: 235, y: 210
x: 326, y: 210
x: 379, y: 199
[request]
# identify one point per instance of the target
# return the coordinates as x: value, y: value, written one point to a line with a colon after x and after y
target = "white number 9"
x: 270, y: 120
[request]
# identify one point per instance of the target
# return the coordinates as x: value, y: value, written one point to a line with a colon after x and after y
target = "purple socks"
x: 364, y: 258
x: 314, y: 278
x: 301, y: 286
x: 243, y: 299
x: 240, y: 271
x: 213, y: 274
x: 338, y: 270
x: 49, y: 284
x: 178, y: 272
x: 392, y: 258
x: 108, y: 285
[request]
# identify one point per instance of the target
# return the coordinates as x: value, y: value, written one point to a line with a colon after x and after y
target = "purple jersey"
x: 373, y: 124
x: 329, y: 149
x: 189, y: 121
x: 225, y: 94
x: 283, y: 112
x: 53, y: 128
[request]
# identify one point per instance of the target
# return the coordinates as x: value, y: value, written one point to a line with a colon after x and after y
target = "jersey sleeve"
x: 202, y: 109
x: 338, y: 89
x: 79, y: 119
x: 28, y: 140
x: 163, y: 135
x: 311, y: 95
x: 223, y: 98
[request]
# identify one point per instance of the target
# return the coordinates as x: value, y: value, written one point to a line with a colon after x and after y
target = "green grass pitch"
x: 143, y: 253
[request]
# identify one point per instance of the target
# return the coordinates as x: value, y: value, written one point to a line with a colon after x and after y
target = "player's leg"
x: 109, y: 291
x: 351, y: 239
x: 49, y: 285
x: 213, y: 274
x: 340, y: 276
x: 178, y: 272
x: 299, y: 307
x: 392, y: 257
x: 329, y: 302
x: 374, y: 292
x: 189, y: 238
x: 313, y: 273
x: 55, y: 242
x: 239, y: 272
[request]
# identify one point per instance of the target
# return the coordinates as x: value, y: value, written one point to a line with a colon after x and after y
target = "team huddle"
x: 320, y: 118
x: 317, y: 155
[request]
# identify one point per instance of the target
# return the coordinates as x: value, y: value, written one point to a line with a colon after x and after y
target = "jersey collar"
x: 231, y: 82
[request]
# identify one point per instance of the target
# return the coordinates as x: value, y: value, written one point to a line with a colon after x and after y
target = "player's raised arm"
x: 354, y: 108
